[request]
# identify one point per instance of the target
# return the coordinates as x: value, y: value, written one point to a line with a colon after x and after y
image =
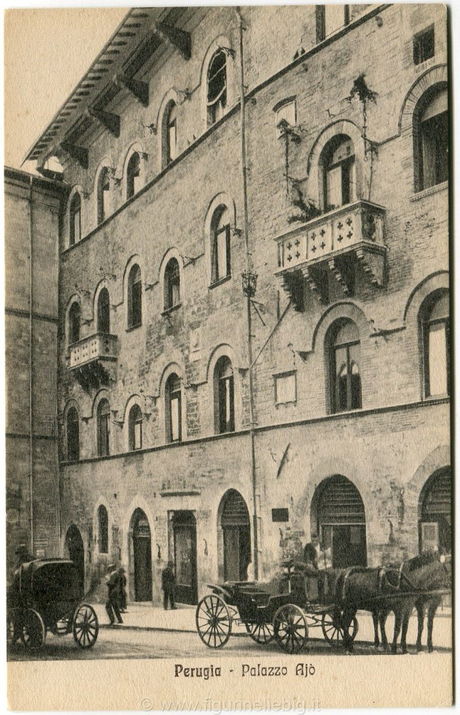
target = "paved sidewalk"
x: 144, y: 616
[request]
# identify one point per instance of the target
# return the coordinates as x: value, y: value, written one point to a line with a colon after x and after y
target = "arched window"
x: 220, y: 245
x: 217, y: 86
x: 435, y: 336
x: 103, y: 529
x: 431, y: 140
x: 135, y: 427
x: 170, y: 133
x: 338, y: 163
x: 344, y: 356
x: 103, y: 311
x: 75, y: 220
x: 173, y: 409
x: 224, y: 396
x: 134, y: 297
x: 73, y: 435
x: 133, y: 175
x: 74, y: 323
x: 103, y: 195
x: 103, y: 428
x: 172, y: 284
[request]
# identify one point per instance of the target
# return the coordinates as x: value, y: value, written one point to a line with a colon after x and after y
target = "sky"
x: 46, y: 53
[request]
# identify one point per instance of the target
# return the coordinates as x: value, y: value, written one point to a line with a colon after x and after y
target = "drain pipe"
x: 31, y: 377
x: 244, y: 177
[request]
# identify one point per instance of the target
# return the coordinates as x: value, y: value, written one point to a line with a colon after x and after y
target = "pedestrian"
x: 123, y: 595
x: 112, y: 605
x: 311, y: 551
x: 168, y: 584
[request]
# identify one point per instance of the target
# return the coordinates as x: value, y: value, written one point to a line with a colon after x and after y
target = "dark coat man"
x: 168, y: 584
x: 112, y: 605
x: 123, y: 595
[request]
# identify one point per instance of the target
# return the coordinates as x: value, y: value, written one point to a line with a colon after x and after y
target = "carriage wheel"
x: 85, y: 626
x: 260, y: 632
x: 333, y: 631
x: 33, y: 632
x: 213, y: 621
x: 290, y: 626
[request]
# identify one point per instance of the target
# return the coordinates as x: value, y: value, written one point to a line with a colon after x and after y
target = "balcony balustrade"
x: 92, y: 359
x: 333, y: 242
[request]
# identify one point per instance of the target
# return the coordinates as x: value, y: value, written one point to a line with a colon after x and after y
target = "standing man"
x: 112, y: 605
x: 168, y: 584
x: 123, y: 595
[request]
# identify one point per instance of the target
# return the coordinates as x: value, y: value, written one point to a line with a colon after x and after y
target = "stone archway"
x: 140, y: 557
x: 338, y: 517
x: 75, y: 550
x: 235, y: 537
x: 435, y: 513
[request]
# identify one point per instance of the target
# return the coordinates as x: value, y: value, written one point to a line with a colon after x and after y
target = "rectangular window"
x: 435, y: 158
x: 172, y: 139
x: 226, y: 405
x: 424, y: 45
x: 104, y: 435
x: 137, y: 435
x: 175, y: 417
x: 437, y: 362
x: 285, y: 388
x: 330, y: 18
x: 222, y: 251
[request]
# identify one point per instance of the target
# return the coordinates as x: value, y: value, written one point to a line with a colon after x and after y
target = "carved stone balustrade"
x: 336, y: 242
x: 93, y: 360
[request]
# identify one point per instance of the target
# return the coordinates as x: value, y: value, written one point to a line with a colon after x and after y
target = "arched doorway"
x: 141, y: 557
x: 236, y: 533
x: 340, y: 521
x: 435, y: 513
x: 184, y: 533
x: 75, y: 550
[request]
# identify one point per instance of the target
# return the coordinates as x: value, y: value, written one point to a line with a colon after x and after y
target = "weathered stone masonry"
x: 398, y: 439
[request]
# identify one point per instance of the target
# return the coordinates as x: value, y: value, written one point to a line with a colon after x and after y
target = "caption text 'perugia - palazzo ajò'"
x: 253, y: 318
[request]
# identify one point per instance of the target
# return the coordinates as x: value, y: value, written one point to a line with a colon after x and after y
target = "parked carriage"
x: 304, y: 599
x: 284, y: 611
x: 47, y: 596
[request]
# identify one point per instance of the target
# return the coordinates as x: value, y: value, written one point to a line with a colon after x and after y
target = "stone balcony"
x: 337, y: 242
x: 93, y: 359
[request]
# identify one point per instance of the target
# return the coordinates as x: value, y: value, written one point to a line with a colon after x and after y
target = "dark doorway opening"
x: 184, y: 536
x: 236, y: 532
x: 75, y: 551
x: 142, y: 556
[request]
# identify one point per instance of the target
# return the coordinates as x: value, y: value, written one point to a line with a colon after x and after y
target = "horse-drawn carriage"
x: 284, y: 611
x: 46, y: 595
x: 304, y: 599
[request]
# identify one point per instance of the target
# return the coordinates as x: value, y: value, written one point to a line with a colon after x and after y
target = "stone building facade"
x: 253, y: 301
x: 33, y: 206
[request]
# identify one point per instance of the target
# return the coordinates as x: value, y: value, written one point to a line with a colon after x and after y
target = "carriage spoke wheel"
x: 213, y: 621
x: 333, y: 630
x: 85, y: 626
x: 33, y: 631
x: 290, y: 627
x: 260, y: 632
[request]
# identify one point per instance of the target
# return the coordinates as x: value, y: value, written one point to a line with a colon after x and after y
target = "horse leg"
x: 383, y: 619
x: 432, y: 608
x: 347, y: 617
x: 397, y: 629
x: 420, y: 619
x: 375, y: 621
x: 405, y: 624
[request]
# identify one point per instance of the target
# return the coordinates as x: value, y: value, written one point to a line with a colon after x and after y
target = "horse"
x: 426, y: 572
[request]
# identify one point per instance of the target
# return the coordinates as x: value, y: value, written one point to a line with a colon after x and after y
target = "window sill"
x: 130, y: 328
x: 167, y: 311
x: 282, y: 404
x: 435, y: 398
x: 429, y: 191
x: 215, y: 284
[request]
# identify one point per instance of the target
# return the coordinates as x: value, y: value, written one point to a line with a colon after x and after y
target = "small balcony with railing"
x: 93, y: 359
x: 336, y: 242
